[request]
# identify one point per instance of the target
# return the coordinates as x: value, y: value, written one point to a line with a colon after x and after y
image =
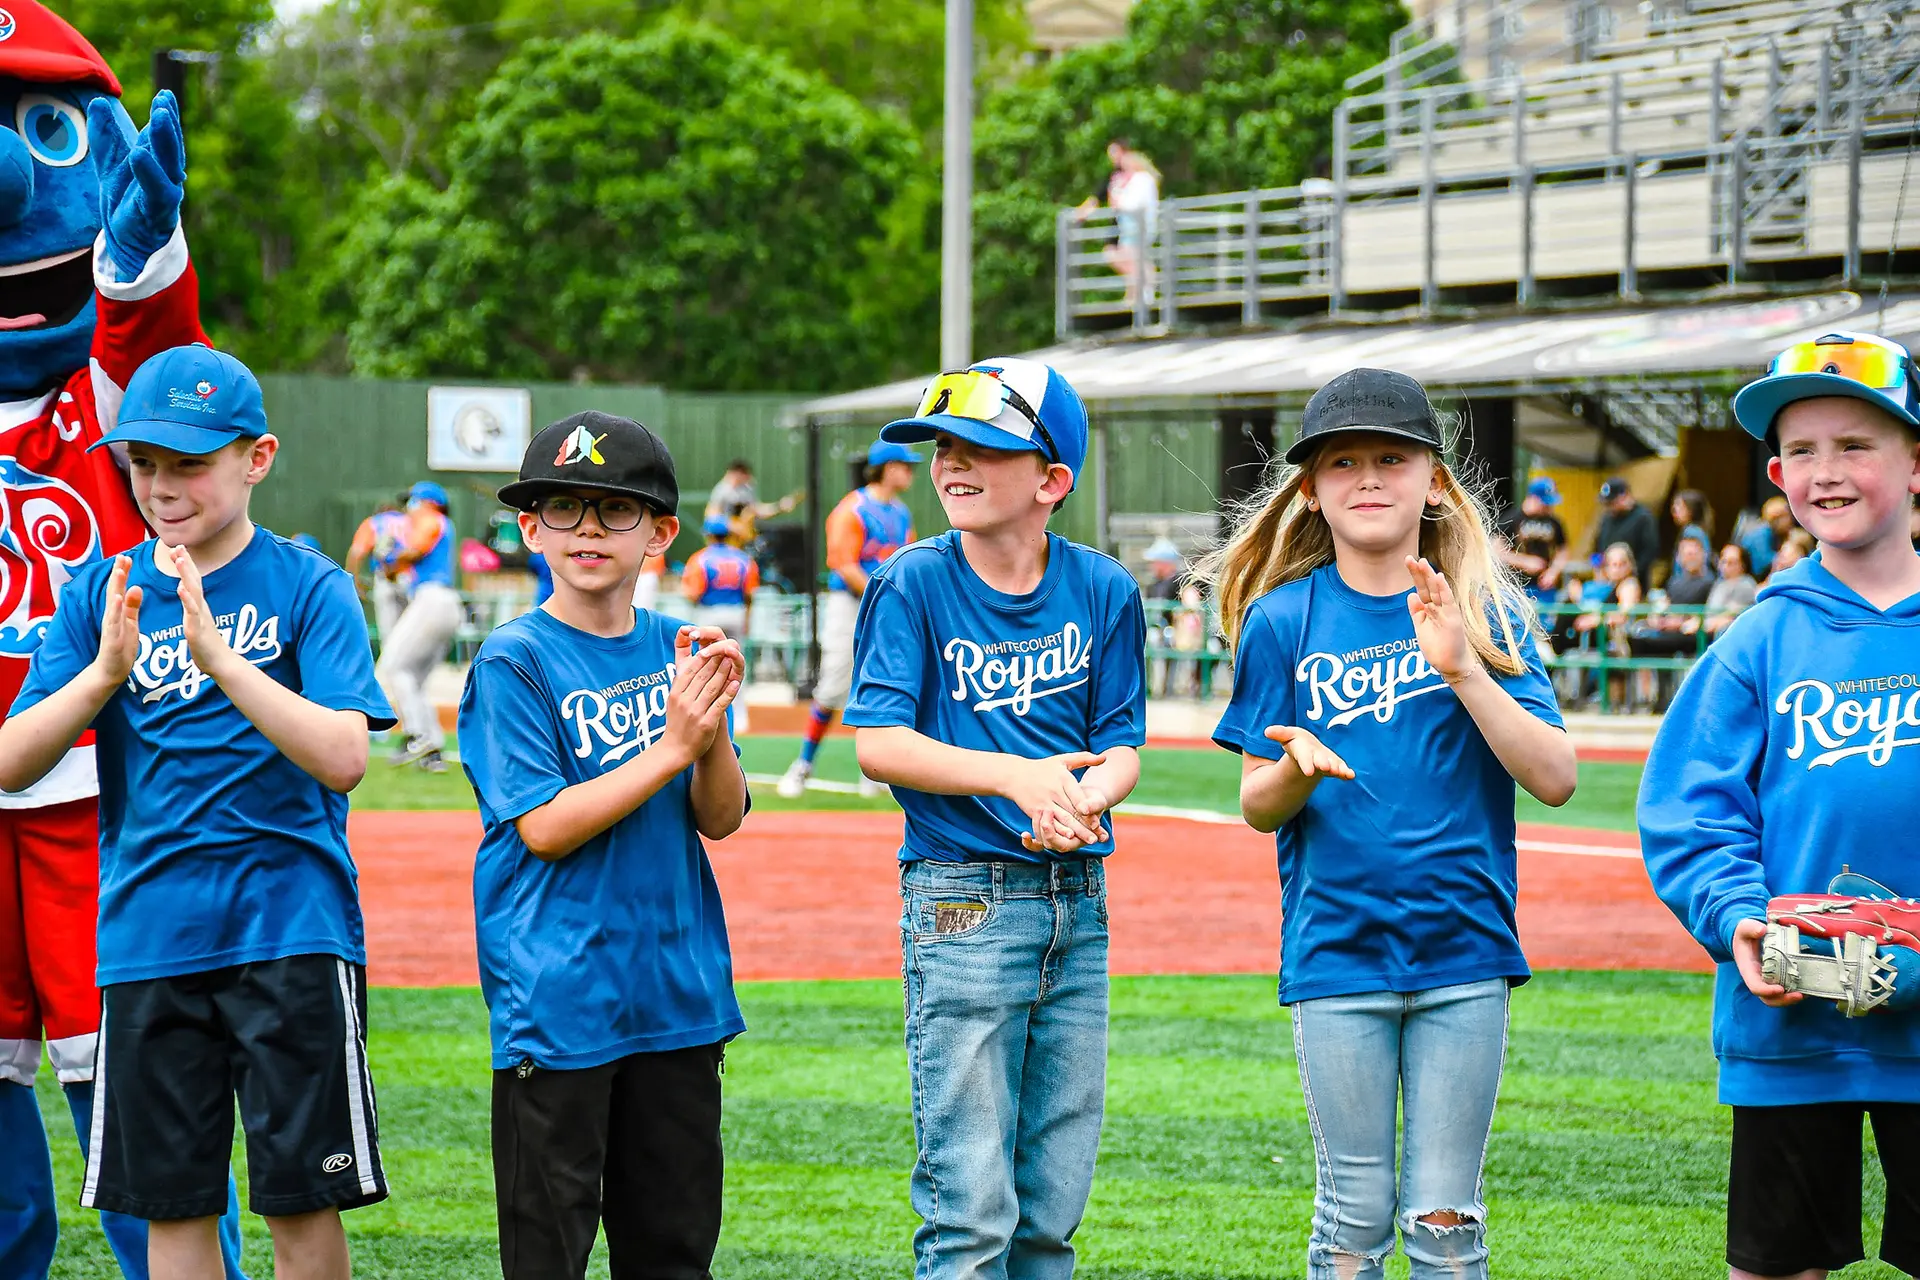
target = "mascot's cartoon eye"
x: 55, y: 131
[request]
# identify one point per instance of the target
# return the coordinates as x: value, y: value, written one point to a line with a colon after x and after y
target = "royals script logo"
x: 1018, y: 673
x: 166, y: 664
x: 1342, y: 687
x: 614, y: 722
x: 1865, y: 717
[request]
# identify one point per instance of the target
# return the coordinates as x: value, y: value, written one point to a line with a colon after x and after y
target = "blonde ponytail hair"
x: 1274, y: 538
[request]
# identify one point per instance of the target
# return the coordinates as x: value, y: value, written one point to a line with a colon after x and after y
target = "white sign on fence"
x: 477, y: 428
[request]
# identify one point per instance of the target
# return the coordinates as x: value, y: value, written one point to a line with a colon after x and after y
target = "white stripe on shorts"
x: 357, y: 1100
x: 97, y: 1131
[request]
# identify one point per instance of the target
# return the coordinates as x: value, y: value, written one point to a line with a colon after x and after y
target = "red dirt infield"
x: 1186, y: 897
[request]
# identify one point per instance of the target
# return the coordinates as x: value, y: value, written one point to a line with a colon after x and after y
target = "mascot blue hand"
x: 142, y: 179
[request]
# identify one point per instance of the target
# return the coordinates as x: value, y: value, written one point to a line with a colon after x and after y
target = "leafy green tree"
x: 1222, y: 94
x: 246, y: 215
x: 677, y: 208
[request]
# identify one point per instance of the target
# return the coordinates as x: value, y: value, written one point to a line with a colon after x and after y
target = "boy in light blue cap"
x: 1536, y: 541
x: 226, y: 675
x: 719, y: 581
x: 863, y: 529
x: 998, y: 687
x: 1791, y: 755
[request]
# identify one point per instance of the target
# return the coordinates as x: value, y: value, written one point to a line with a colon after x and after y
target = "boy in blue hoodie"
x: 1793, y: 749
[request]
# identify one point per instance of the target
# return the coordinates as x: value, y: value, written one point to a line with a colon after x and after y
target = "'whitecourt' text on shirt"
x: 1017, y: 673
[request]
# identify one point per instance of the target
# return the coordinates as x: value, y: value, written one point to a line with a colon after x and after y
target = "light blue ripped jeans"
x: 1438, y: 1053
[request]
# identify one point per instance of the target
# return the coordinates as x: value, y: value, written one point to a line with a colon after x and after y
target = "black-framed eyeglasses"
x: 616, y: 512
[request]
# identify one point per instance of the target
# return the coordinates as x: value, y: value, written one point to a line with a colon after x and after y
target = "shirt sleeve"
x: 331, y: 650
x: 889, y: 659
x: 1262, y: 691
x: 509, y: 745
x: 71, y: 642
x: 753, y: 576
x: 1120, y: 682
x: 693, y: 579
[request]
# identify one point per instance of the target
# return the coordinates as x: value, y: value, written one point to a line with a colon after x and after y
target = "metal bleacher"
x: 1532, y: 150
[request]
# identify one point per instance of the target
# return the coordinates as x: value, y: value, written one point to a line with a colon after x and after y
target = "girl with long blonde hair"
x: 1387, y: 695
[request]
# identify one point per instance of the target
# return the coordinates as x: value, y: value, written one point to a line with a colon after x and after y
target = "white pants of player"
x: 389, y: 602
x: 419, y: 642
x: 730, y: 618
x: 841, y: 611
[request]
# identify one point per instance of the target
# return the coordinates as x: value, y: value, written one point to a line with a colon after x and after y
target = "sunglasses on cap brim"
x: 981, y: 397
x: 1872, y: 362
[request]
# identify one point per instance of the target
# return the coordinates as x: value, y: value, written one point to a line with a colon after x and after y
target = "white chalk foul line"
x: 1215, y: 818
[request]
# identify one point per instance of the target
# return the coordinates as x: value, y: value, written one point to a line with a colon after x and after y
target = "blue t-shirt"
x: 1057, y: 669
x: 216, y: 849
x: 1404, y: 878
x: 620, y: 947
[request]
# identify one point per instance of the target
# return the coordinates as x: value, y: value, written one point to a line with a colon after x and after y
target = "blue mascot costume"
x: 94, y: 278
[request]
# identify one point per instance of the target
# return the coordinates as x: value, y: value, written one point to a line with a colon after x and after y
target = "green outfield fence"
x: 349, y: 443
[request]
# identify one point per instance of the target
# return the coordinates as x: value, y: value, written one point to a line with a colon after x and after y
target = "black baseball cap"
x: 1377, y: 400
x: 594, y: 450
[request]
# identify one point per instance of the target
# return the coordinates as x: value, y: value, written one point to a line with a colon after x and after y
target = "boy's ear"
x: 532, y: 532
x: 1056, y: 484
x: 1774, y: 473
x: 260, y: 457
x: 665, y: 530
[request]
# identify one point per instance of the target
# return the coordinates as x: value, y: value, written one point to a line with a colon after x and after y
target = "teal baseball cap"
x: 189, y: 399
x: 1858, y: 366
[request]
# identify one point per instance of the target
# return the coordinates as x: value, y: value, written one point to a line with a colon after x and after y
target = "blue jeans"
x: 1438, y: 1053
x: 1006, y: 989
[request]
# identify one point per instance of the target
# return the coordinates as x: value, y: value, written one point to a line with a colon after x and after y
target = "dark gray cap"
x: 1376, y: 400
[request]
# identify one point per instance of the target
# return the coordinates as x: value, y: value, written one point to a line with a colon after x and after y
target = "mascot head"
x: 49, y: 195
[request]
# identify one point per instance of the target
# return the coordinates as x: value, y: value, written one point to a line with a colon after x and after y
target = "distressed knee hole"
x: 1346, y: 1266
x: 1445, y: 1221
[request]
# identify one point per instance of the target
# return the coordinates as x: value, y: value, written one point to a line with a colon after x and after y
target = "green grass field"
x: 1183, y: 779
x: 1608, y: 1157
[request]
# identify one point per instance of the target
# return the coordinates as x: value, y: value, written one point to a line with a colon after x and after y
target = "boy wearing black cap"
x: 226, y: 674
x: 597, y: 742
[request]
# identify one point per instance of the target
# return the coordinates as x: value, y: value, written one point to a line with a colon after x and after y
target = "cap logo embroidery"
x: 203, y: 388
x: 194, y: 401
x: 581, y: 446
x: 7, y: 27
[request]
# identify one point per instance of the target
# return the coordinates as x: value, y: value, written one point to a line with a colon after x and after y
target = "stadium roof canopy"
x: 1511, y: 355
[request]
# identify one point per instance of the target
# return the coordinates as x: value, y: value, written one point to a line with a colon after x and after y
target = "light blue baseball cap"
x: 1858, y: 366
x: 428, y: 491
x: 881, y: 452
x: 1039, y: 412
x: 716, y: 527
x: 189, y: 399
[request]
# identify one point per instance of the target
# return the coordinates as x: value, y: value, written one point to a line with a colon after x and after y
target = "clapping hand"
x: 704, y: 686
x: 119, y: 625
x: 209, y: 648
x: 1308, y: 753
x: 1437, y: 623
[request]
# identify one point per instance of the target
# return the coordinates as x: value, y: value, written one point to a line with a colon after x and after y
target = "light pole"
x: 956, y: 194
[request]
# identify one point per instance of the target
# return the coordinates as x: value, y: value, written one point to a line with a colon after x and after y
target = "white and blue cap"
x: 189, y: 399
x: 881, y: 452
x: 1039, y: 411
x: 1857, y: 366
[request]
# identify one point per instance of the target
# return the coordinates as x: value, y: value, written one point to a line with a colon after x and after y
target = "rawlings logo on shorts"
x: 336, y: 1163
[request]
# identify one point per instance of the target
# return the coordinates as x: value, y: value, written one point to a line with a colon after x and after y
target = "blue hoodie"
x: 1793, y: 748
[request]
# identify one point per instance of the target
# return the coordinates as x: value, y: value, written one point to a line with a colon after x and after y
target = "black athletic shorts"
x: 1793, y: 1197
x: 288, y: 1037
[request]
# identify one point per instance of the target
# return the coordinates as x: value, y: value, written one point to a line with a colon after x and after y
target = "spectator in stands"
x: 1690, y: 583
x: 1133, y: 193
x: 1692, y: 518
x: 1618, y: 583
x: 1164, y: 562
x: 1735, y: 590
x: 1626, y: 521
x: 1766, y: 538
x: 1797, y: 547
x: 1534, y: 542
